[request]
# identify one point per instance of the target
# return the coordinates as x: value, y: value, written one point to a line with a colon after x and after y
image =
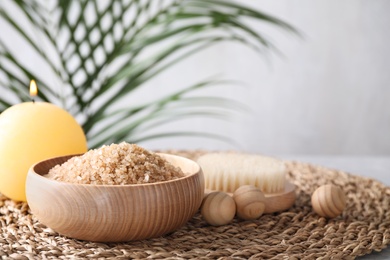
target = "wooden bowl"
x: 112, y: 213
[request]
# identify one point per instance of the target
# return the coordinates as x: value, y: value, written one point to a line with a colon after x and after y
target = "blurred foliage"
x: 100, y: 52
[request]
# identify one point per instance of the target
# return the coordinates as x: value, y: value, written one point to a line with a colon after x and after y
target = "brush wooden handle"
x: 280, y: 201
x: 276, y: 202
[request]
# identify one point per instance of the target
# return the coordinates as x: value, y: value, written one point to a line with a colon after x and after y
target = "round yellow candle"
x: 31, y: 132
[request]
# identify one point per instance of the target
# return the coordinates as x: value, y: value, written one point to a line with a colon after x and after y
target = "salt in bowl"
x: 113, y: 213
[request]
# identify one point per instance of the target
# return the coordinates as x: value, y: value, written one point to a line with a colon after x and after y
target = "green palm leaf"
x: 101, y: 52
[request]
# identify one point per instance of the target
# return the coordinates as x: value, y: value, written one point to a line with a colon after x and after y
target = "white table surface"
x: 375, y: 167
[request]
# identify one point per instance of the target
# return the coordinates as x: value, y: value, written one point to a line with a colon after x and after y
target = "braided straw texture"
x: 295, y: 234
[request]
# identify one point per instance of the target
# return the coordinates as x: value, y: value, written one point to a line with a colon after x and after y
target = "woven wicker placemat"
x: 295, y: 234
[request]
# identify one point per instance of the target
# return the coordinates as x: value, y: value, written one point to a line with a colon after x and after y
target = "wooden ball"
x: 250, y: 202
x: 328, y: 201
x: 218, y: 208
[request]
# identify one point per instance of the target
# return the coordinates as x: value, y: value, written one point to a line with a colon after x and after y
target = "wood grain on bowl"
x: 110, y: 213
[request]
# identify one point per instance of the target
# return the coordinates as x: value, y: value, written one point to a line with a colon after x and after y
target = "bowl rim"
x: 187, y: 176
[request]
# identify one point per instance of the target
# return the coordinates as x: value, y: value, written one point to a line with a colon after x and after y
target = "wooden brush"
x: 228, y: 171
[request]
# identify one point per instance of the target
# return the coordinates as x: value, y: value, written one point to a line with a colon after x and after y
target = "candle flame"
x: 33, y: 88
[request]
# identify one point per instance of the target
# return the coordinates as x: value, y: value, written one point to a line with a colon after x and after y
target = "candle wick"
x: 33, y: 100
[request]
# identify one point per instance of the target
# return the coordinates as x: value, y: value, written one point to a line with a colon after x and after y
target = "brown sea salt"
x: 116, y: 164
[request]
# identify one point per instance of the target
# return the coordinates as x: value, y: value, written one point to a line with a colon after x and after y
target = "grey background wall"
x: 328, y: 94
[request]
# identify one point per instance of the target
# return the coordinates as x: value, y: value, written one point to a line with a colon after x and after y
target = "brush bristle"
x: 228, y: 171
